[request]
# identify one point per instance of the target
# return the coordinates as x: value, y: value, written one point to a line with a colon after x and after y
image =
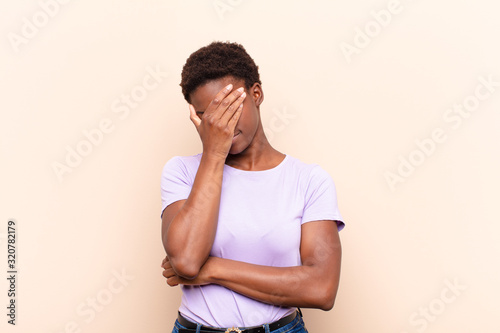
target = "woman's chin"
x: 235, y: 149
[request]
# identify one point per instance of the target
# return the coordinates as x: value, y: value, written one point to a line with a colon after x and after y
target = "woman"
x: 249, y: 231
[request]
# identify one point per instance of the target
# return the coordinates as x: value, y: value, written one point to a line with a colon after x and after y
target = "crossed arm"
x: 314, y: 284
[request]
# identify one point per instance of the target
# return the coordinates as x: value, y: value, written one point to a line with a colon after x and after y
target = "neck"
x: 259, y: 155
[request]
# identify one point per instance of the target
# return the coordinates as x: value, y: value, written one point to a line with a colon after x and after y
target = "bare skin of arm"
x: 189, y: 226
x: 312, y: 285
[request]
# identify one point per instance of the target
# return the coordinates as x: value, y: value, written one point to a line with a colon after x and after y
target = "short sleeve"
x: 321, y: 199
x: 175, y: 182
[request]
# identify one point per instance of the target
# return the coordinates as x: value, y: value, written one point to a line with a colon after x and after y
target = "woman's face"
x: 249, y: 121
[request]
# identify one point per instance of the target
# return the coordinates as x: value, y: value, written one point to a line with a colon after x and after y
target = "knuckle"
x: 209, y: 120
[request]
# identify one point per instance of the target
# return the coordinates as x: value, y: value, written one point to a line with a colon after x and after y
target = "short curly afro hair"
x: 216, y: 61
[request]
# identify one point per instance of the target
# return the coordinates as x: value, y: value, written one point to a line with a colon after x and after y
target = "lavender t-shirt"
x: 260, y: 218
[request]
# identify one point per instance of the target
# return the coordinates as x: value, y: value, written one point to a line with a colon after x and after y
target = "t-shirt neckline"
x: 258, y: 171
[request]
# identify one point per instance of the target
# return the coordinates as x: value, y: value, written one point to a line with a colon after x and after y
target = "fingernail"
x: 229, y: 87
x: 240, y: 89
x: 243, y: 95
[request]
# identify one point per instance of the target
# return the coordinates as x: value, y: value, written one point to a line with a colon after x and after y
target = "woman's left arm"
x: 312, y: 285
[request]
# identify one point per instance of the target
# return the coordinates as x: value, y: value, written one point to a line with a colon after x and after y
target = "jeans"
x: 295, y: 326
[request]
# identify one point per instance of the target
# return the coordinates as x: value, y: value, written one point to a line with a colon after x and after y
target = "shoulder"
x: 182, y: 165
x: 307, y: 171
x: 178, y: 160
x: 311, y: 178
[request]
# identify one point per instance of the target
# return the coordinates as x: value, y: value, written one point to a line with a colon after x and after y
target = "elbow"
x: 325, y: 300
x: 184, y: 267
x: 183, y: 264
x: 327, y: 303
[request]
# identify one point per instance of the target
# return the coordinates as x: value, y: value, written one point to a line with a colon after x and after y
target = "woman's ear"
x: 257, y: 93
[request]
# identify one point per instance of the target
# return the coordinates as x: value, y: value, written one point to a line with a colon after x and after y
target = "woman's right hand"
x: 216, y: 127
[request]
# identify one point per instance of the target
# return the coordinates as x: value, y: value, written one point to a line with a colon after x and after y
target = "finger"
x: 168, y: 273
x: 234, y: 120
x: 235, y: 107
x: 173, y: 281
x: 218, y: 99
x: 229, y: 103
x: 164, y: 261
x: 193, y: 116
x: 167, y: 265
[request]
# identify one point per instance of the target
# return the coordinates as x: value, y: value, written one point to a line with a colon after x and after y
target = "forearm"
x: 302, y: 286
x: 190, y: 234
x: 313, y: 284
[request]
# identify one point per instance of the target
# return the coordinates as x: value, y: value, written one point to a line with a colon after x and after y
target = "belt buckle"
x: 233, y: 329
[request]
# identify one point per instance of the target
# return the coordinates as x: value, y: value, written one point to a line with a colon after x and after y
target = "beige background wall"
x: 386, y: 114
